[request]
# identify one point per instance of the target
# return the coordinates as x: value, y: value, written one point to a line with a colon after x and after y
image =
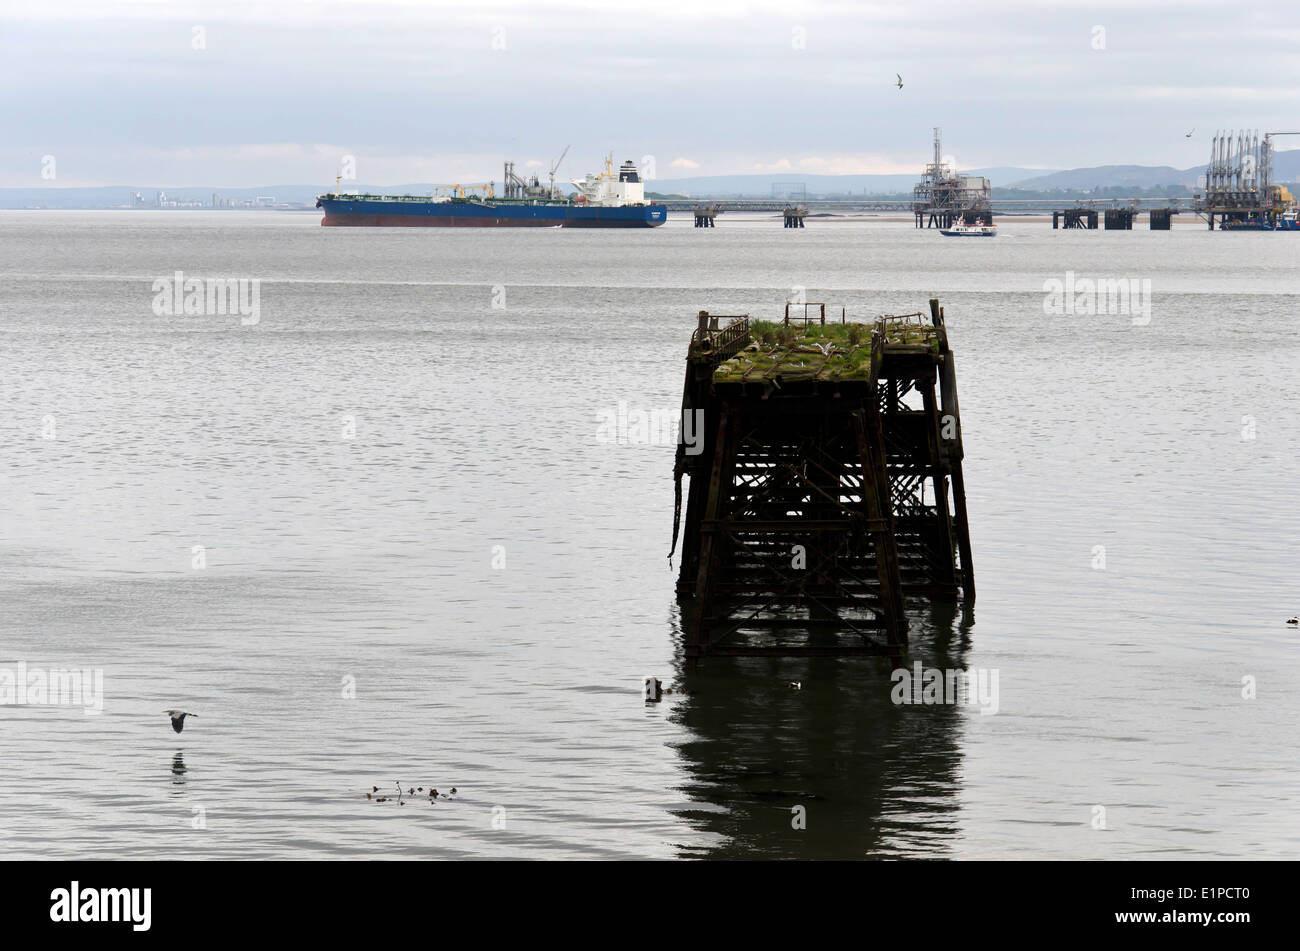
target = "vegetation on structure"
x: 831, y: 351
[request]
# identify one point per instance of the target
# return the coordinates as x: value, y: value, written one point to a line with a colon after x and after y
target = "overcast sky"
x: 232, y: 93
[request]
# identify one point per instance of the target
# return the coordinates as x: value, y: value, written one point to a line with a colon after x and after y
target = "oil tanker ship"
x: 607, y: 200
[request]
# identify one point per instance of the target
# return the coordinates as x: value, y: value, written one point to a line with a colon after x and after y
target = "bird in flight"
x: 178, y: 718
x: 900, y: 80
x: 1189, y: 134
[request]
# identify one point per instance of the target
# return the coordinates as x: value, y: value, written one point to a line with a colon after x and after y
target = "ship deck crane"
x: 555, y: 166
x: 459, y: 191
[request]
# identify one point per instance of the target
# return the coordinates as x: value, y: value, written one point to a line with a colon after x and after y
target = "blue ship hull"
x: 420, y: 213
x: 1256, y: 224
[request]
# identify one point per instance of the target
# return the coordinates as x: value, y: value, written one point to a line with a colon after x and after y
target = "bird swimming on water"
x: 1294, y: 620
x: 900, y: 81
x: 178, y: 718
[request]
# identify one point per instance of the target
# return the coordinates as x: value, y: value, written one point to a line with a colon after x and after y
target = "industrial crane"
x: 554, y: 166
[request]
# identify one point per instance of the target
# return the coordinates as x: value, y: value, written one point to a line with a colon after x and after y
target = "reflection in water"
x: 874, y: 778
x: 178, y: 768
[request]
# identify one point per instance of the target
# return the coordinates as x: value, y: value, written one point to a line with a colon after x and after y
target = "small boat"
x: 1283, y: 222
x: 1287, y: 222
x: 970, y: 231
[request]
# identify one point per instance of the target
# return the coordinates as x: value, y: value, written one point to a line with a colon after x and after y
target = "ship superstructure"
x: 610, y: 190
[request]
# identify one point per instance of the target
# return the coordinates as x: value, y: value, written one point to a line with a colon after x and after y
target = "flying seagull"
x: 900, y: 80
x: 178, y: 718
x: 1189, y: 134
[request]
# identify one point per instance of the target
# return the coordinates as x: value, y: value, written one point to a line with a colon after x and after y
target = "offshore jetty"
x: 826, y: 488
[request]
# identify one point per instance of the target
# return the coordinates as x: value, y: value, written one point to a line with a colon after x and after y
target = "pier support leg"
x: 875, y: 492
x: 945, y: 550
x: 697, y: 639
x: 953, y: 448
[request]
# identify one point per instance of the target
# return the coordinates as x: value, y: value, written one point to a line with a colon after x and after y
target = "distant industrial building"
x: 261, y: 201
x: 1239, y: 190
x: 943, y: 196
x: 790, y: 191
x: 162, y: 201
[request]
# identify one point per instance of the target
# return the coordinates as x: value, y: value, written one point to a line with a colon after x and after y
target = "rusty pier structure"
x: 792, y: 216
x: 706, y: 216
x: 824, y: 485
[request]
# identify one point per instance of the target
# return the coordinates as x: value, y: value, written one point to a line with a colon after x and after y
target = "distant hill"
x: 1105, y: 176
x: 120, y: 196
x: 760, y: 186
x: 1286, y: 169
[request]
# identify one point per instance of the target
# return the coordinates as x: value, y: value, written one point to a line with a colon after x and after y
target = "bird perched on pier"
x: 900, y: 80
x: 178, y: 718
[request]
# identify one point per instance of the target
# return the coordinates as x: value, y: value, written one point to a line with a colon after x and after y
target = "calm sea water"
x: 487, y: 574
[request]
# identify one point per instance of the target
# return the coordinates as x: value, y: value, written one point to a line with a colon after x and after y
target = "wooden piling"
x: 1080, y: 218
x: 1119, y: 219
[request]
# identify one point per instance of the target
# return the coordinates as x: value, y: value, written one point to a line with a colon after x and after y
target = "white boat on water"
x: 971, y: 231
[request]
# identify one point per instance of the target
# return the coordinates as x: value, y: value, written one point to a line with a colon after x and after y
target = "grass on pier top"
x: 817, y: 352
